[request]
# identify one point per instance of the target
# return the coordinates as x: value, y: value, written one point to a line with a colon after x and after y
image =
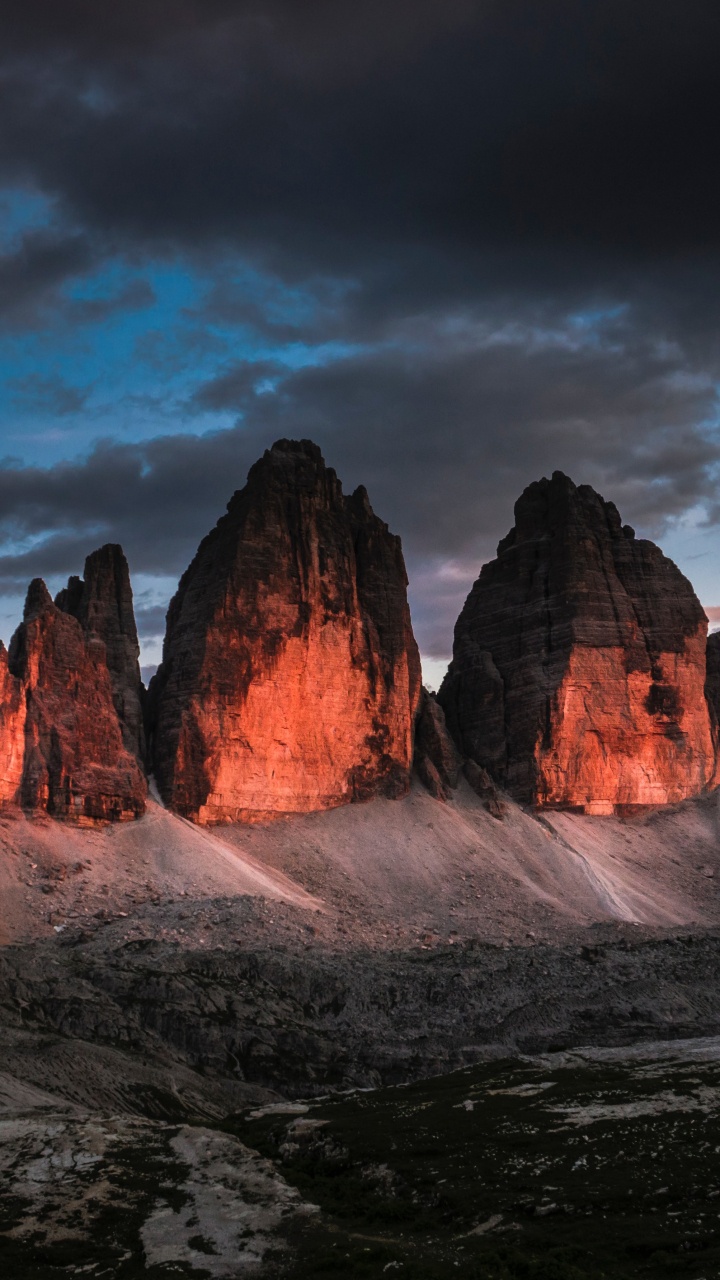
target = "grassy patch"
x: 512, y: 1171
x: 103, y: 1239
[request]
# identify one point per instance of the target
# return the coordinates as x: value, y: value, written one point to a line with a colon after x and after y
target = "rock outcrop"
x: 12, y: 732
x: 61, y: 740
x: 437, y: 760
x: 578, y: 667
x: 102, y: 602
x: 712, y: 681
x: 290, y: 675
x: 485, y: 789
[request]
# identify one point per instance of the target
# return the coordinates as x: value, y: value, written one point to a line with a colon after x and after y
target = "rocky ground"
x: 159, y: 979
x: 591, y: 1165
x: 101, y: 1194
x: 580, y: 1165
x: 198, y: 1027
x: 385, y: 875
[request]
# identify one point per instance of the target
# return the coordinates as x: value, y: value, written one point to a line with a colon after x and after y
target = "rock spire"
x: 578, y: 663
x: 290, y: 676
x: 102, y: 602
x: 62, y: 749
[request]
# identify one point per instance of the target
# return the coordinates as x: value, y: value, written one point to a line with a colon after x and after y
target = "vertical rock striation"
x: 578, y: 666
x: 438, y: 762
x: 712, y: 682
x: 12, y: 732
x: 61, y: 737
x: 290, y: 676
x: 102, y: 602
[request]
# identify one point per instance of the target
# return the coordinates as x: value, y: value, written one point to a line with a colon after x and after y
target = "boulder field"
x: 290, y: 680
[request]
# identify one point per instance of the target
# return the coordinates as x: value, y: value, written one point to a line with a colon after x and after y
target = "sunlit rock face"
x: 102, y: 602
x: 12, y: 732
x: 578, y: 666
x: 290, y: 675
x: 71, y: 761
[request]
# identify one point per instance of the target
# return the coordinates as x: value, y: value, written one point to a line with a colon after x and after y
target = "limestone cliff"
x: 290, y: 675
x: 437, y: 760
x: 75, y: 764
x: 712, y: 682
x: 102, y: 602
x: 12, y: 732
x: 578, y: 663
x: 61, y: 741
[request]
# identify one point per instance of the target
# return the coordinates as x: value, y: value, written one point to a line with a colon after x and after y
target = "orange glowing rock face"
x: 290, y: 675
x: 102, y: 602
x: 12, y: 732
x: 613, y: 745
x: 61, y: 740
x: 578, y: 669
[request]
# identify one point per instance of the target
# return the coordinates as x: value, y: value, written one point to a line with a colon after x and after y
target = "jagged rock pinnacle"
x: 579, y: 662
x: 290, y: 675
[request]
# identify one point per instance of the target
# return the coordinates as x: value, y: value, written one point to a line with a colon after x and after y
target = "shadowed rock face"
x: 290, y: 675
x: 102, y: 602
x: 61, y: 745
x: 438, y: 762
x: 578, y: 664
x: 712, y: 680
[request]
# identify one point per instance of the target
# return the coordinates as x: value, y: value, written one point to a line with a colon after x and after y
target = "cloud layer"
x: 459, y: 245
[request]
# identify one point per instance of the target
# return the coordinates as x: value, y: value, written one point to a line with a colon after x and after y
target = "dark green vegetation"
x: 578, y: 1166
x: 150, y: 1038
x: 93, y: 1231
x: 565, y: 1168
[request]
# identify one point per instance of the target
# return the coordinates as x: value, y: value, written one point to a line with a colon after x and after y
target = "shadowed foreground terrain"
x: 571, y: 1166
x: 152, y: 1119
x: 586, y: 1164
x: 302, y: 1048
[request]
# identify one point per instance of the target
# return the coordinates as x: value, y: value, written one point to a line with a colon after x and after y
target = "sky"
x: 459, y: 244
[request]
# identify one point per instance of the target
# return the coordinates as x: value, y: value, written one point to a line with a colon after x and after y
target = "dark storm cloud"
x: 47, y: 394
x: 150, y: 621
x: 329, y: 133
x: 508, y: 213
x: 134, y: 296
x: 430, y: 153
x: 312, y: 310
x: 156, y: 499
x: 33, y: 273
x: 445, y: 436
x: 236, y: 387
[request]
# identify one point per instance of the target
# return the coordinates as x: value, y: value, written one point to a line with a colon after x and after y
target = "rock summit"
x: 63, y: 721
x: 290, y: 676
x: 578, y: 670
